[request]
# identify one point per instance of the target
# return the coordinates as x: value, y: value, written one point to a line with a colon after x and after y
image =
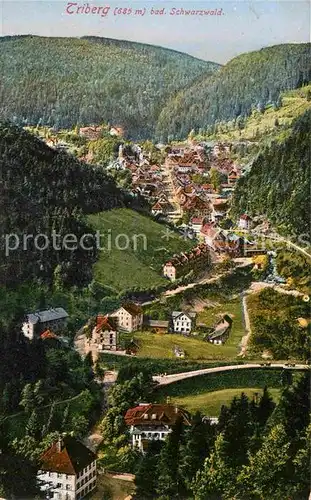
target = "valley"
x: 168, y: 330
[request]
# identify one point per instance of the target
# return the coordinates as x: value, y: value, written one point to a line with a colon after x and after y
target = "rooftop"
x: 47, y: 315
x: 155, y: 415
x: 66, y: 456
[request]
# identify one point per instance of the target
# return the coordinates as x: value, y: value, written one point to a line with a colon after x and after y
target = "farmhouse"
x: 67, y: 470
x: 129, y: 317
x: 221, y: 331
x: 38, y: 322
x: 149, y: 421
x: 104, y: 334
x: 183, y: 322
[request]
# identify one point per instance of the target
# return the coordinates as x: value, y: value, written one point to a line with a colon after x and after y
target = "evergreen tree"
x: 169, y: 481
x: 265, y: 407
x: 28, y: 399
x: 265, y: 476
x: 146, y: 475
x: 198, y: 441
x: 216, y: 477
x: 38, y: 392
x: 33, y: 425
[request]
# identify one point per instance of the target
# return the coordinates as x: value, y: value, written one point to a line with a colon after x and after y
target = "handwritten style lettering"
x: 75, y: 8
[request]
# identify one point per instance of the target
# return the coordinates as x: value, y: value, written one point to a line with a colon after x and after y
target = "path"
x: 247, y: 323
x: 205, y: 281
x: 169, y: 379
x: 280, y: 239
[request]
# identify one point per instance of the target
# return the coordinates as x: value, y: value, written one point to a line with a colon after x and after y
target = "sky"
x: 241, y: 26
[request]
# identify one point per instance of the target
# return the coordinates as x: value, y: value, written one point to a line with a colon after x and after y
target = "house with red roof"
x: 105, y: 334
x: 67, y: 470
x: 148, y: 421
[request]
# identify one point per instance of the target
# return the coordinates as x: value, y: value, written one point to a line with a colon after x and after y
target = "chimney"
x: 59, y: 444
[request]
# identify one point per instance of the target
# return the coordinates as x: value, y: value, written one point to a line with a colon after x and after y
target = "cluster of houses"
x: 197, y: 259
x: 105, y: 329
x: 178, y: 187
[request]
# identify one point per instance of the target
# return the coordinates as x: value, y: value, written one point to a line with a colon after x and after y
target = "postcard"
x: 155, y: 249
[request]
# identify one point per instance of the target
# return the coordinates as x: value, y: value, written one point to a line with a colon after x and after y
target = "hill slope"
x: 65, y: 81
x: 138, y: 265
x: 278, y: 183
x: 249, y: 80
x: 42, y: 191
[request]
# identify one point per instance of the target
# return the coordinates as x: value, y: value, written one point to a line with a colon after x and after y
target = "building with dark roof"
x: 67, y: 470
x: 38, y: 322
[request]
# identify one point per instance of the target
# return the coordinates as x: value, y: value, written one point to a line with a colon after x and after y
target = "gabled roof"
x: 104, y: 323
x: 47, y: 315
x: 155, y: 415
x: 66, y: 456
x: 176, y: 314
x: 132, y: 308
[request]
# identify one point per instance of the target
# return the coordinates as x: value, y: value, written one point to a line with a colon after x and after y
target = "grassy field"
x: 233, y: 307
x: 140, y: 264
x: 210, y: 403
x: 239, y: 380
x: 294, y: 103
x: 153, y: 345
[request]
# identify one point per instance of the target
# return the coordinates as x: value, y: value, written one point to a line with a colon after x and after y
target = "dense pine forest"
x: 249, y: 81
x: 42, y: 191
x: 278, y: 183
x: 259, y: 450
x: 66, y: 81
x: 150, y: 91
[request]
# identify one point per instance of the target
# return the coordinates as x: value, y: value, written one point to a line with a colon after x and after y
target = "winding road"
x: 175, y: 377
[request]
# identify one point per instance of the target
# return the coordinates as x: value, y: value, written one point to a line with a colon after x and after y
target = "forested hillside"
x: 68, y: 81
x: 249, y: 81
x: 278, y: 183
x: 42, y: 190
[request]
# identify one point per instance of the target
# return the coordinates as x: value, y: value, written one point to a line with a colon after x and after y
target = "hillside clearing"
x: 140, y: 263
x: 210, y: 403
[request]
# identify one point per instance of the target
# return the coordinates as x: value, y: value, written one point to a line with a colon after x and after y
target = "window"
x: 68, y: 487
x: 59, y: 475
x: 58, y: 485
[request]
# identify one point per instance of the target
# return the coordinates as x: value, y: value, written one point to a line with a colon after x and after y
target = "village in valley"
x: 187, y: 188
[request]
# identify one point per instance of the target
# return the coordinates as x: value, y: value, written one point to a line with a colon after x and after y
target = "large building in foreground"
x: 67, y: 470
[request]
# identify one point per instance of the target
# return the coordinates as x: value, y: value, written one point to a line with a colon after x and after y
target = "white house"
x: 149, y: 421
x: 245, y: 222
x: 183, y: 322
x: 104, y: 334
x: 129, y: 317
x: 50, y: 319
x: 67, y: 470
